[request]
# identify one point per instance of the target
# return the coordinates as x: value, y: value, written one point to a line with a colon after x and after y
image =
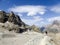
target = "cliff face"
x: 11, y: 22
x: 11, y: 17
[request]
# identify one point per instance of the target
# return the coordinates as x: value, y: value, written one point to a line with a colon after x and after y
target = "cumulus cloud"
x: 54, y: 18
x: 29, y: 9
x: 56, y: 8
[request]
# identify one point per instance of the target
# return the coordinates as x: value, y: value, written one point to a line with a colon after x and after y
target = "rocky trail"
x: 28, y: 38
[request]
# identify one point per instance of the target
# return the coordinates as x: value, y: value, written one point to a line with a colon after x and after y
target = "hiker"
x: 45, y: 32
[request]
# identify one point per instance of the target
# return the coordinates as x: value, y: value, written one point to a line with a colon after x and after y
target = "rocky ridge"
x: 11, y: 22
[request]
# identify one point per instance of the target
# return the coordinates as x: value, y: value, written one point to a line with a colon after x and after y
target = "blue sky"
x: 38, y: 12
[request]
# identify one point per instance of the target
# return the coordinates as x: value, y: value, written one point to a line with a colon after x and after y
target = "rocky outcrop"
x: 11, y: 17
x: 15, y: 19
x: 12, y: 22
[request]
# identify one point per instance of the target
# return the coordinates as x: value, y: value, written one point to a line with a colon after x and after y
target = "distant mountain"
x: 54, y: 27
x: 56, y: 22
x: 35, y: 28
x: 42, y: 29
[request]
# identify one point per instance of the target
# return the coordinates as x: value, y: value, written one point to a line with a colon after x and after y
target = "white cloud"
x: 19, y: 14
x: 56, y: 8
x: 36, y: 20
x: 54, y: 18
x: 41, y: 13
x: 29, y: 9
